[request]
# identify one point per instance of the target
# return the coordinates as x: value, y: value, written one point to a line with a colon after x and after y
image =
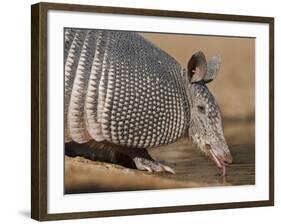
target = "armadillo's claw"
x: 169, y: 169
x: 147, y: 168
x: 151, y: 165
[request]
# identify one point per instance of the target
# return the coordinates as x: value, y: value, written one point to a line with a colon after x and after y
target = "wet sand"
x: 192, y: 168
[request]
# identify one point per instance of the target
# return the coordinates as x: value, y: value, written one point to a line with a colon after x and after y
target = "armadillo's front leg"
x: 144, y: 161
x: 106, y: 152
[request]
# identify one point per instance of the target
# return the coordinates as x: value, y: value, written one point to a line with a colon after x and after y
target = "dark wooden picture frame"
x: 39, y: 110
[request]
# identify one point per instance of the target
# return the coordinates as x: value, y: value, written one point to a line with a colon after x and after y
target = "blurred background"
x: 234, y: 87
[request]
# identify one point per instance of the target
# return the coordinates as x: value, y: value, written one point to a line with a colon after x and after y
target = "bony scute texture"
x: 121, y: 88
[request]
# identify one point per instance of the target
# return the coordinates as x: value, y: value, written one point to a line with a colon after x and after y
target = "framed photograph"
x: 138, y: 111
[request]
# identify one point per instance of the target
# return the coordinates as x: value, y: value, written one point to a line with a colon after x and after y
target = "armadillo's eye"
x: 201, y: 109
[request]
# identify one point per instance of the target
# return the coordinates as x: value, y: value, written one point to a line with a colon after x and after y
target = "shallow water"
x: 192, y: 168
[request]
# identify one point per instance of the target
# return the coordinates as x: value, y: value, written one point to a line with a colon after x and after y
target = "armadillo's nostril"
x: 228, y: 159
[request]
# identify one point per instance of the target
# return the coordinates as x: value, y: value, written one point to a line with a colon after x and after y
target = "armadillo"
x: 122, y: 89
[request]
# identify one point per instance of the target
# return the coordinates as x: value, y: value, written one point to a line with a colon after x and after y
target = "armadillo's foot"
x: 107, y: 152
x: 151, y: 165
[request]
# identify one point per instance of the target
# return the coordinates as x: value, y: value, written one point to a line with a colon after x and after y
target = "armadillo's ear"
x: 213, y: 67
x: 197, y: 67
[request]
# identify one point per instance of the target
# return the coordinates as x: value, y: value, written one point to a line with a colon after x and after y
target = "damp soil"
x: 192, y: 168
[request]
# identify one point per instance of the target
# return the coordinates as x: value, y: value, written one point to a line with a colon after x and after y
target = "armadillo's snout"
x: 228, y: 158
x: 222, y: 157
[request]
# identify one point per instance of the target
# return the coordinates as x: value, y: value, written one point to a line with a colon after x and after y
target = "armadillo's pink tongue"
x: 222, y: 166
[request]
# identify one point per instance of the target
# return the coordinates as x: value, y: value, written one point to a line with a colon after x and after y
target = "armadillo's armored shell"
x: 121, y: 88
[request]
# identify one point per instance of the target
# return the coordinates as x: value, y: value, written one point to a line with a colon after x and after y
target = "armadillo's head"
x: 205, y: 119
